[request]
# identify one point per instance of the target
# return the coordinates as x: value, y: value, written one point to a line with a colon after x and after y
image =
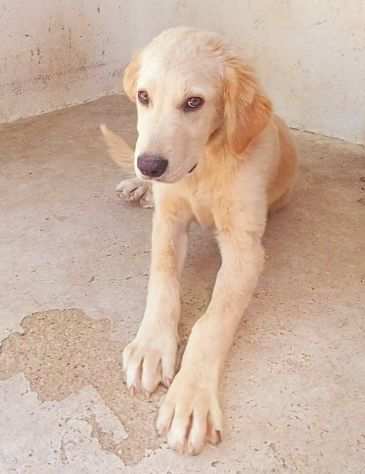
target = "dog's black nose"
x: 152, y: 166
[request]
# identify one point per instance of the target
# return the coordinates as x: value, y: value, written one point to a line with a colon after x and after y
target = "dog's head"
x: 191, y: 90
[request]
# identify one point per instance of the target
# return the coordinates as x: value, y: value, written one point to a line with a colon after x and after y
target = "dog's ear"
x: 130, y: 77
x: 246, y: 109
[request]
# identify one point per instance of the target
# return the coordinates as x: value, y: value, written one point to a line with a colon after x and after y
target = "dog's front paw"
x: 134, y: 189
x: 190, y: 415
x: 149, y: 361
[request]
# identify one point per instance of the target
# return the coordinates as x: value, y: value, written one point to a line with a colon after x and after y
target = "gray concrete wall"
x: 310, y: 55
x: 64, y: 52
x: 53, y: 54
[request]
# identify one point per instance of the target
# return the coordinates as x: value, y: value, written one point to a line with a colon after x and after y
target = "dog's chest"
x: 202, y: 210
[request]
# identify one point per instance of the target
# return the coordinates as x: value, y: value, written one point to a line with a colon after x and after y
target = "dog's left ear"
x: 246, y: 109
x: 130, y: 77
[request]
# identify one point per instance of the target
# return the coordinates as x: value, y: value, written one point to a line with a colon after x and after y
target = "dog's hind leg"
x: 137, y: 190
x: 131, y: 188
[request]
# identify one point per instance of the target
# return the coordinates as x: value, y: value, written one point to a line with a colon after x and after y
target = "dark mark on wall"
x: 45, y: 77
x: 39, y: 55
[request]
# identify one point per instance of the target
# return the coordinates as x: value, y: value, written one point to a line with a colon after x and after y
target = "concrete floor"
x: 74, y: 262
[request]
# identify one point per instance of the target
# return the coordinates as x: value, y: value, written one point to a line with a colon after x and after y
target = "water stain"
x: 63, y: 351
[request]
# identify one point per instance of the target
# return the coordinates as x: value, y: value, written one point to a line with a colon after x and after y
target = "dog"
x: 213, y: 151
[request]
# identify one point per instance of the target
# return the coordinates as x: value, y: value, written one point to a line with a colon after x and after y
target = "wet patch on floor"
x: 62, y: 352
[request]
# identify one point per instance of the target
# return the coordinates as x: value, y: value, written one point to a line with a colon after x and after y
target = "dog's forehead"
x: 183, y: 70
x: 184, y: 52
x: 153, y: 69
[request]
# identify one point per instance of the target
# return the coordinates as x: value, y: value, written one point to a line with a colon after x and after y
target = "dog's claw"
x: 214, y: 437
x: 167, y: 382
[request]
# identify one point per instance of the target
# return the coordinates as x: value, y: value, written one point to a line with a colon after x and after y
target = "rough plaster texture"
x: 295, y: 381
x: 54, y: 54
x: 310, y: 55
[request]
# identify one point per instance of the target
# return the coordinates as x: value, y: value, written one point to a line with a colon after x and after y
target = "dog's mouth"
x: 193, y: 168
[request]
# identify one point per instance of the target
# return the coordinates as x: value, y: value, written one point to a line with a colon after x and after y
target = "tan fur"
x: 231, y: 195
x: 119, y: 150
x: 247, y: 111
x: 282, y: 184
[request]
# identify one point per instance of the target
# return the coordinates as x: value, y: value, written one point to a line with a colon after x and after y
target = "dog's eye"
x: 193, y: 103
x: 143, y: 97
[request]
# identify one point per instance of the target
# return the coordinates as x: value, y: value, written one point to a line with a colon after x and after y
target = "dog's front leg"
x: 191, y: 413
x: 151, y: 357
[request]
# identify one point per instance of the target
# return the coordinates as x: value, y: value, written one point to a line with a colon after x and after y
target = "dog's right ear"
x: 130, y: 77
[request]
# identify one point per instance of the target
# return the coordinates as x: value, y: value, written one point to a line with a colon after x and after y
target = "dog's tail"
x: 120, y: 152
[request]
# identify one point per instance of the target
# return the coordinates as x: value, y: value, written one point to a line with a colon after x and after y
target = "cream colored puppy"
x: 214, y: 151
